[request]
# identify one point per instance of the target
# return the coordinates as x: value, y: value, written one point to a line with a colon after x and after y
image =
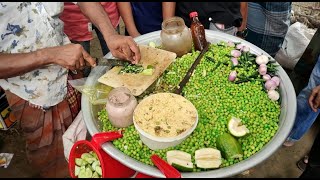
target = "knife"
x: 111, y: 62
x: 190, y: 71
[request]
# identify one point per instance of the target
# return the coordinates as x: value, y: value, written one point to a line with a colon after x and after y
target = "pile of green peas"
x: 216, y: 100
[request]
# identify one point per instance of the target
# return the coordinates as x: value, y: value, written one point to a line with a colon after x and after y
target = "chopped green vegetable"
x: 147, y: 72
x: 85, y: 156
x: 79, y: 161
x: 152, y: 44
x: 87, y: 165
x: 99, y: 170
x: 76, y: 170
x: 131, y: 68
x: 95, y: 175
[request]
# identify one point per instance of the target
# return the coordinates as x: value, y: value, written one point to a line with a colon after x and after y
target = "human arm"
x: 244, y: 13
x: 120, y: 46
x: 168, y: 9
x: 70, y: 56
x: 125, y: 11
x: 314, y: 99
x: 242, y: 30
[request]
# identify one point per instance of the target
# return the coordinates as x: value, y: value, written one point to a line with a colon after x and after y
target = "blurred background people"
x: 267, y: 24
x: 144, y: 17
x: 228, y: 17
x: 79, y: 29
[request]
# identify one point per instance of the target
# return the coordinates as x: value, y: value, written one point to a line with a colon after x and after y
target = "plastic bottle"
x: 197, y: 31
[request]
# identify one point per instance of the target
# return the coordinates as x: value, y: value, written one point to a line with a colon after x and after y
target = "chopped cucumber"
x: 99, y: 170
x: 147, y: 72
x: 79, y: 161
x: 88, y: 166
x: 76, y: 170
x: 94, y: 164
x: 152, y: 44
x: 82, y: 173
x: 90, y: 160
x: 86, y: 155
x: 95, y: 175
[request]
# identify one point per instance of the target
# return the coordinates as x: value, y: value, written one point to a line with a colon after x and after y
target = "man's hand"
x: 70, y: 56
x: 120, y: 46
x: 314, y: 99
x: 124, y: 47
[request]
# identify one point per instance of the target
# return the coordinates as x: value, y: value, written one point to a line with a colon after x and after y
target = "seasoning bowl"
x: 156, y: 143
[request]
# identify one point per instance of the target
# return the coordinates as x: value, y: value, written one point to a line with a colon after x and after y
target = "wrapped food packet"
x: 97, y: 94
x: 5, y: 159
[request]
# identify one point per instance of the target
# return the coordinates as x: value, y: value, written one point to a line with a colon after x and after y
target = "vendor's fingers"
x: 311, y: 100
x: 118, y: 54
x: 88, y: 58
x: 317, y: 101
x: 127, y: 52
x: 135, y: 49
x: 77, y: 65
x: 71, y: 68
x: 82, y: 62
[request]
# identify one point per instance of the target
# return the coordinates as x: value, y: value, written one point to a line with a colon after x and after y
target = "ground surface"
x: 281, y: 164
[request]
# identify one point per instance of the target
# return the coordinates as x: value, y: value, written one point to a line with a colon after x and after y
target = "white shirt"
x: 26, y: 27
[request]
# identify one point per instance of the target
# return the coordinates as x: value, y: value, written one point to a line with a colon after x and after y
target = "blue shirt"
x: 147, y: 16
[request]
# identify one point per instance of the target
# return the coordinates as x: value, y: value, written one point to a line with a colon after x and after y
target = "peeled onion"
x: 266, y: 77
x: 246, y: 49
x: 276, y: 79
x: 262, y: 59
x: 234, y: 61
x: 262, y: 69
x: 273, y: 95
x: 232, y: 75
x: 239, y: 46
x: 231, y: 44
x: 270, y: 85
x: 235, y: 53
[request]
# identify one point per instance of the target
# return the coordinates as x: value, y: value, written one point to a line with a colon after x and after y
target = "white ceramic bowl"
x: 156, y: 143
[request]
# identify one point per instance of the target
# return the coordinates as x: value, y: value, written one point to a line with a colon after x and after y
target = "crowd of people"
x: 43, y: 44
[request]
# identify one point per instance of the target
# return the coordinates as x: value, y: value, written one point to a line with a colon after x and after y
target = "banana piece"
x: 208, y: 158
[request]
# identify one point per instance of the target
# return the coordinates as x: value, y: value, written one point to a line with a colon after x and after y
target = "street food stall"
x: 228, y: 109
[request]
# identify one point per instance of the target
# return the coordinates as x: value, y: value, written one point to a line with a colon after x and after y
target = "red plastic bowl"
x: 111, y: 168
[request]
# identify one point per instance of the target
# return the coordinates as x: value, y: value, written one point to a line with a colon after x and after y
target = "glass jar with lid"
x: 120, y: 106
x: 176, y: 36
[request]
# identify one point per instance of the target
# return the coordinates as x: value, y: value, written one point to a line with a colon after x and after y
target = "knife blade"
x: 111, y: 62
x: 190, y: 71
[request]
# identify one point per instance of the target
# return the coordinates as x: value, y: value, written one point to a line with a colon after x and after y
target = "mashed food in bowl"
x: 165, y: 115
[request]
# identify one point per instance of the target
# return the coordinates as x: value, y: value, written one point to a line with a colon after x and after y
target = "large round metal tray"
x: 287, y: 116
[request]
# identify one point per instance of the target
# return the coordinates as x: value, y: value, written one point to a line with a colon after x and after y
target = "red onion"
x: 270, y: 85
x: 276, y: 79
x: 235, y: 53
x: 232, y: 75
x: 234, y: 61
x: 266, y: 77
